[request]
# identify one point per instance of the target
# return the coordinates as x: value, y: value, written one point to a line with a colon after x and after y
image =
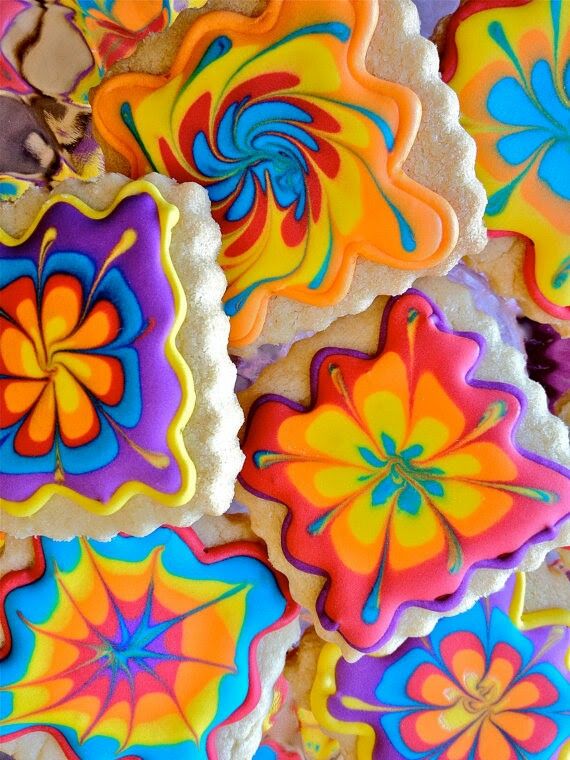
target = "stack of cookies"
x: 284, y: 380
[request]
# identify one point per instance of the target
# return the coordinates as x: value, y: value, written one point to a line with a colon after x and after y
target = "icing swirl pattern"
x: 399, y: 467
x: 476, y: 687
x: 137, y: 647
x: 112, y: 29
x: 514, y: 94
x: 86, y: 344
x: 300, y: 149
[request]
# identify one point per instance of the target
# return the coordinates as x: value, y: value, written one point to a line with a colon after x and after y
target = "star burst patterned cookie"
x: 142, y: 647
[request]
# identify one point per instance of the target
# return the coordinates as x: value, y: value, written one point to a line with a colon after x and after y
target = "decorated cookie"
x: 508, y: 61
x: 490, y: 683
x: 43, y: 142
x: 144, y: 647
x: 112, y: 29
x: 116, y: 392
x: 51, y: 54
x: 45, y: 136
x: 301, y: 146
x: 396, y: 482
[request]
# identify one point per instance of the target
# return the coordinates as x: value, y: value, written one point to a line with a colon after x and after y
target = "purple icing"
x: 431, y: 11
x: 503, y: 311
x: 384, y: 682
x: 160, y: 391
x: 506, y: 562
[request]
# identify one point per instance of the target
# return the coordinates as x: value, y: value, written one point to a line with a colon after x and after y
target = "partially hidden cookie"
x: 46, y: 131
x: 400, y: 465
x: 116, y: 391
x: 548, y: 362
x: 492, y: 682
x: 328, y: 145
x: 51, y: 54
x: 142, y: 647
x: 508, y: 61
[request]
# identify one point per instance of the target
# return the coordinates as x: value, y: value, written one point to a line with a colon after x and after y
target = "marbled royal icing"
x: 509, y: 62
x: 402, y: 476
x: 93, y: 392
x: 491, y: 684
x: 136, y: 647
x: 300, y: 149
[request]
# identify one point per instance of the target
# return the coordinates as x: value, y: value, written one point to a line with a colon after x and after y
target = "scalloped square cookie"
x: 116, y: 391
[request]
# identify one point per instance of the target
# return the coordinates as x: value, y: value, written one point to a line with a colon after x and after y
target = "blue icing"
x: 542, y: 111
x: 491, y: 630
x: 264, y: 602
x: 103, y: 449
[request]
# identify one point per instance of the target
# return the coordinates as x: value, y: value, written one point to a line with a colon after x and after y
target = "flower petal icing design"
x: 403, y: 467
x: 509, y: 62
x: 93, y: 392
x: 476, y: 687
x: 300, y: 149
x: 138, y: 647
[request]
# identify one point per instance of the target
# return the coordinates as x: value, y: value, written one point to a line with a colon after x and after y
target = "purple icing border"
x: 509, y: 562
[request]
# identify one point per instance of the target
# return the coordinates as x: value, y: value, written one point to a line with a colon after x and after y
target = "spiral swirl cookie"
x: 143, y: 647
x: 116, y: 392
x: 490, y: 683
x: 508, y: 61
x: 301, y: 145
x: 399, y: 483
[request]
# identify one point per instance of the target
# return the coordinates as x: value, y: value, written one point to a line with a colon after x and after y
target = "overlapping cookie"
x: 400, y: 465
x: 329, y: 148
x: 508, y: 61
x: 51, y: 54
x: 142, y: 647
x: 492, y: 682
x: 116, y: 391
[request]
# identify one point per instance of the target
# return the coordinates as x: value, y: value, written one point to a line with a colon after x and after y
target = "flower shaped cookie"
x: 301, y: 151
x: 509, y: 62
x: 478, y: 686
x: 139, y: 646
x: 86, y: 339
x: 402, y: 469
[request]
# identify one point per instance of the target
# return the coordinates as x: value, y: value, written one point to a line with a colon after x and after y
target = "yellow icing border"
x: 168, y: 216
x: 324, y: 684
